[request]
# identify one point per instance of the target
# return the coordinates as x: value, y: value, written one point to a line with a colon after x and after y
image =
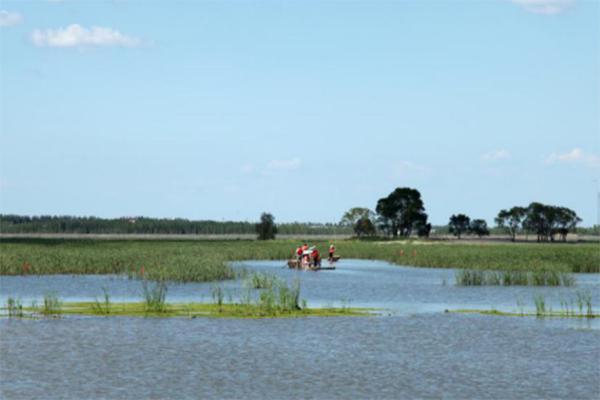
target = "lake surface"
x: 414, y: 350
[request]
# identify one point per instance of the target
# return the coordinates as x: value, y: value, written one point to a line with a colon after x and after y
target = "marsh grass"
x: 540, y: 305
x: 201, y: 261
x: 103, y: 307
x: 155, y: 295
x: 51, y: 304
x: 218, y: 295
x: 260, y: 280
x: 583, y: 301
x: 15, y: 308
x: 543, y: 277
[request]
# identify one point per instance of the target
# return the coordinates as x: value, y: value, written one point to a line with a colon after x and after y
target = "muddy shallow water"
x: 414, y: 351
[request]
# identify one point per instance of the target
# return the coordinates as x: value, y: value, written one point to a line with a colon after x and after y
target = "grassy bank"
x: 186, y: 261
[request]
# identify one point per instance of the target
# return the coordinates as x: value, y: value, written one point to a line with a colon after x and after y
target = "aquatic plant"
x: 154, y: 296
x: 259, y: 280
x: 541, y: 277
x: 51, y: 304
x: 103, y: 307
x: 201, y: 261
x: 14, y: 307
x: 218, y: 295
x: 540, y: 305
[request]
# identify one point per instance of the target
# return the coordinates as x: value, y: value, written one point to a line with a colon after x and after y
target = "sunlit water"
x: 414, y: 350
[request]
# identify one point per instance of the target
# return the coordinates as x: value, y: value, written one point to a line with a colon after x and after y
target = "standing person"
x: 316, y: 257
x: 331, y: 252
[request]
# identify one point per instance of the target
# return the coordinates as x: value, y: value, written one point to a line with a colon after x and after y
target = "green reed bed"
x: 200, y: 261
x: 543, y: 277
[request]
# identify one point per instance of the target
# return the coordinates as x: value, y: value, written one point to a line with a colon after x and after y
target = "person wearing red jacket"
x: 316, y: 257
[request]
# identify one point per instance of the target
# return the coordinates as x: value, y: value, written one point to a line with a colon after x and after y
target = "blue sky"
x: 222, y: 110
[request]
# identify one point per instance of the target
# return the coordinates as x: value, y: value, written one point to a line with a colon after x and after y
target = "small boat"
x: 299, y: 264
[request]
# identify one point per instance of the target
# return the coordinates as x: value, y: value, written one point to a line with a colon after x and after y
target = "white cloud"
x: 547, y: 7
x: 284, y: 165
x: 78, y: 36
x: 496, y: 155
x: 575, y: 156
x: 9, y: 18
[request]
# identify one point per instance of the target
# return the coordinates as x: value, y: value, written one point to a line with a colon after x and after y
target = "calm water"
x: 414, y: 351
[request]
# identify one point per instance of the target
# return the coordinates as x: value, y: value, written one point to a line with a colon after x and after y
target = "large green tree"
x: 355, y: 214
x: 479, y: 227
x: 361, y: 220
x: 364, y: 227
x: 266, y: 228
x: 400, y: 211
x: 511, y: 220
x: 459, y: 224
x: 548, y: 221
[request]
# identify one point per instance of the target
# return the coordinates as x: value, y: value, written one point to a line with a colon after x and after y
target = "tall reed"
x: 155, y: 296
x: 51, y: 304
x: 15, y: 308
x: 102, y: 307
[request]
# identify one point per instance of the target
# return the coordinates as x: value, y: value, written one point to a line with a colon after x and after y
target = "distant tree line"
x: 545, y: 221
x: 144, y: 225
x: 402, y: 214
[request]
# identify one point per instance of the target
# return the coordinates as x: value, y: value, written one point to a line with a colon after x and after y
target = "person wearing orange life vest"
x: 316, y: 257
x: 299, y: 253
x: 331, y: 252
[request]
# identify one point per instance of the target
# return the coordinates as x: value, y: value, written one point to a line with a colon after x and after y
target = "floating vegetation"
x: 544, y: 277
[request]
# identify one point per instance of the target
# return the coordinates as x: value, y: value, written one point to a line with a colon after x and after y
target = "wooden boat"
x: 298, y: 264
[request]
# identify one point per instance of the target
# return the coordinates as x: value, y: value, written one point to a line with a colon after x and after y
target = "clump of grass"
x: 51, y: 305
x: 15, y: 308
x: 259, y: 280
x: 540, y: 305
x: 585, y: 298
x: 543, y: 277
x: 102, y: 307
x: 155, y: 296
x: 521, y: 306
x: 218, y: 295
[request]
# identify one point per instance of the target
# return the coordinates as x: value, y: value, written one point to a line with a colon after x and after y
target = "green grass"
x: 542, y: 310
x: 193, y: 310
x: 542, y: 277
x: 199, y: 261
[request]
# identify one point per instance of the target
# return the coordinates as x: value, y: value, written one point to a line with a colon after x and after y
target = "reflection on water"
x: 417, y: 352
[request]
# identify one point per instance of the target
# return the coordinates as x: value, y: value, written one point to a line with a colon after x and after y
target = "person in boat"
x: 316, y: 257
x: 331, y: 252
x: 299, y: 253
